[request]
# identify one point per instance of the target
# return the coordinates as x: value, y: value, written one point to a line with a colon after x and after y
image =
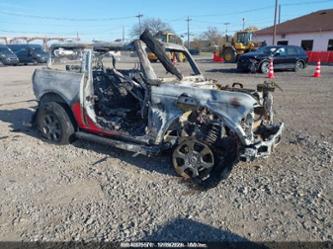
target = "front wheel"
x: 264, y: 67
x: 193, y: 159
x: 54, y: 124
x: 229, y: 55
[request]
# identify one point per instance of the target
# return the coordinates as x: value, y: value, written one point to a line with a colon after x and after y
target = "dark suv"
x: 29, y: 53
x: 284, y: 57
x: 7, y: 57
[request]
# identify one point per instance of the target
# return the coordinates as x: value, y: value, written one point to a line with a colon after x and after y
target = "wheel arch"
x: 301, y: 60
x: 227, y: 123
x: 263, y: 60
x: 55, y: 97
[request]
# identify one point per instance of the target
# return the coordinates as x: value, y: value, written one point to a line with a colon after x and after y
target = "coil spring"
x: 213, y: 134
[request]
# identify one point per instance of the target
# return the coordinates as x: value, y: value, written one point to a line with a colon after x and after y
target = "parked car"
x: 194, y: 51
x: 7, y: 57
x: 29, y: 53
x: 284, y: 57
x: 133, y: 108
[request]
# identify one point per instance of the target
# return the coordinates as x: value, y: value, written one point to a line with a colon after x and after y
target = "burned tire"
x: 229, y: 55
x: 193, y: 159
x: 54, y: 124
x: 218, y: 162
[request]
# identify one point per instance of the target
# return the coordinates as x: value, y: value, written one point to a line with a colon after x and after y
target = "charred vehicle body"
x: 201, y: 121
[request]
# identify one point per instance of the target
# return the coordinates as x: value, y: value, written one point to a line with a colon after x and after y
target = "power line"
x: 307, y: 3
x: 139, y: 16
x: 236, y: 12
x: 40, y: 33
x: 65, y: 18
x: 58, y: 33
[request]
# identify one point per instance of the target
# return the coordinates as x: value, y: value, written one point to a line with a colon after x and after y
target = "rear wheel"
x: 54, y: 124
x: 299, y: 66
x: 229, y: 55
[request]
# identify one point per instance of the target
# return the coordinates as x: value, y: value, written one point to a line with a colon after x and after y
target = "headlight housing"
x: 247, y: 125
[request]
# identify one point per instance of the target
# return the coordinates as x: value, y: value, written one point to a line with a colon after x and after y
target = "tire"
x: 252, y: 68
x: 299, y: 65
x: 1, y: 64
x: 229, y: 55
x: 221, y: 162
x: 54, y: 124
x: 193, y: 159
x: 264, y: 67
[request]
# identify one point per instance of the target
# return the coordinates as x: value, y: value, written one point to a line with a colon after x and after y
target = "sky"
x: 106, y: 19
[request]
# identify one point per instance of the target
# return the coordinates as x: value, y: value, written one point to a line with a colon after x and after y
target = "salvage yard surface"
x: 93, y: 192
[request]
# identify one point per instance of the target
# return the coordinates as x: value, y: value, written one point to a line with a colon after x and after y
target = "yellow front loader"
x: 168, y: 37
x: 242, y: 44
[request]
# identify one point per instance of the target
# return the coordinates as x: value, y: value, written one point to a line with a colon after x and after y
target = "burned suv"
x: 201, y: 122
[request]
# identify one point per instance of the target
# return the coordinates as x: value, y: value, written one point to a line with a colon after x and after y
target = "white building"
x: 313, y: 32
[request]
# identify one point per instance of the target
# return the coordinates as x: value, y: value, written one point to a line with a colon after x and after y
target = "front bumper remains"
x: 263, y: 147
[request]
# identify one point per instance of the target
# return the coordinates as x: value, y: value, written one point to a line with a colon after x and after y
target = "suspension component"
x: 213, y: 134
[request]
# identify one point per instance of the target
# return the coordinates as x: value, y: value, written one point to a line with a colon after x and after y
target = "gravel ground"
x: 92, y: 192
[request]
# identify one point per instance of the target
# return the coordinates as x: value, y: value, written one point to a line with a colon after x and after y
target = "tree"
x: 251, y: 29
x: 196, y: 43
x: 153, y: 24
x: 213, y: 35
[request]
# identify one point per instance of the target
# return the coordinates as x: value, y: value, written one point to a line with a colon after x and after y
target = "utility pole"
x: 188, y: 32
x: 243, y: 20
x: 275, y: 18
x: 139, y: 16
x: 279, y: 14
x: 226, y: 30
x: 123, y: 35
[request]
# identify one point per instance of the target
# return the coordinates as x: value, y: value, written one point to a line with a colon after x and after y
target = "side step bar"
x: 138, y: 149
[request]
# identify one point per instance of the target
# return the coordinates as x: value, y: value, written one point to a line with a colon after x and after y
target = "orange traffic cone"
x: 317, y: 71
x: 271, y: 70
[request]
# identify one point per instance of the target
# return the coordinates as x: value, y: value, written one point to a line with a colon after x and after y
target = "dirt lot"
x: 88, y: 191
